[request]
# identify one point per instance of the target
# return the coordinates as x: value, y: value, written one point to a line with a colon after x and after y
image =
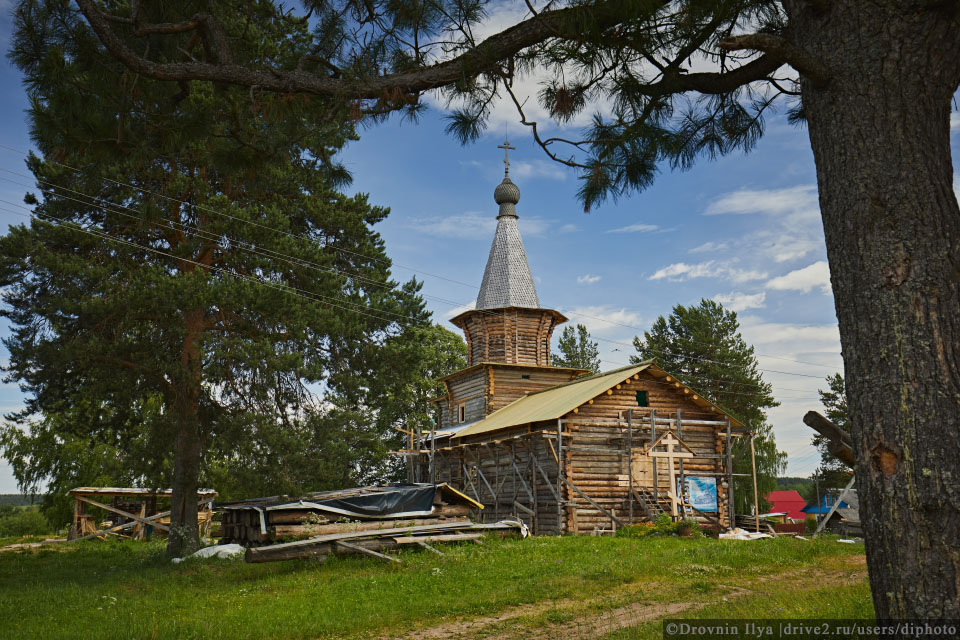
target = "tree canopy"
x: 832, y: 471
x: 702, y: 346
x: 576, y: 350
x: 633, y: 56
x: 193, y: 299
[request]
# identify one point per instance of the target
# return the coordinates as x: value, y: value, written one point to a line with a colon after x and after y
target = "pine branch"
x: 780, y: 49
x: 566, y: 23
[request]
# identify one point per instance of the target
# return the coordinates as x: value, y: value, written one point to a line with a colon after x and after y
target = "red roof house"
x: 789, y: 502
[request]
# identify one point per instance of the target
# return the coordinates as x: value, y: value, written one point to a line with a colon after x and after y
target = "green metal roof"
x: 552, y: 403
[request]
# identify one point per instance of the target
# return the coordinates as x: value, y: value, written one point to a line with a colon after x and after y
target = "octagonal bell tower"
x: 508, y: 325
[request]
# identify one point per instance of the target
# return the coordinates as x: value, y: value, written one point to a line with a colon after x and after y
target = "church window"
x: 642, y: 400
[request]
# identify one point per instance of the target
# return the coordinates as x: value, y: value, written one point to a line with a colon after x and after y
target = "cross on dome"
x: 506, y: 156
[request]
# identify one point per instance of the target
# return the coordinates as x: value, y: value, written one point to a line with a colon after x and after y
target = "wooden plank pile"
x: 278, y: 519
x: 375, y: 541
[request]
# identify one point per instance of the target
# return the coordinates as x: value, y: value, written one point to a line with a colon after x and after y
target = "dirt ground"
x: 607, y: 621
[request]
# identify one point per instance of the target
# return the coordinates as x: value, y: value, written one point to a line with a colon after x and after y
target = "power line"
x: 308, y: 295
x: 207, y: 235
x: 113, y: 208
x: 390, y: 262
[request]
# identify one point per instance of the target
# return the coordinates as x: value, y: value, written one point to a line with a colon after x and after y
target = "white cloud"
x: 568, y: 228
x: 745, y: 275
x: 458, y: 310
x: 472, y: 224
x: 793, y: 229
x: 805, y: 279
x: 680, y: 271
x: 710, y: 247
x: 604, y: 319
x: 768, y: 201
x: 634, y: 228
x: 538, y: 169
x: 736, y: 301
x: 684, y: 271
x: 954, y: 121
x: 588, y: 279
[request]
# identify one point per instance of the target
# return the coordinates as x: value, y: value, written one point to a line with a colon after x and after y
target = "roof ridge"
x: 593, y: 376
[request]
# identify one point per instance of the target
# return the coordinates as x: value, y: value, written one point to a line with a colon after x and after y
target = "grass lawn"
x: 127, y: 590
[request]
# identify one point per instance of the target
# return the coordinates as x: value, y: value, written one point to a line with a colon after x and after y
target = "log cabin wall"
x: 596, y: 458
x: 516, y: 471
x: 512, y: 383
x: 469, y: 388
x: 486, y: 388
x: 511, y: 335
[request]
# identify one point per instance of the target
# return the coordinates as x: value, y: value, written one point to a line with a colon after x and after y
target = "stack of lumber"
x: 374, y: 542
x: 269, y: 520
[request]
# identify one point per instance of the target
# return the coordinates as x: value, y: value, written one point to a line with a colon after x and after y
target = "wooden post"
x: 433, y: 452
x: 730, y: 504
x: 653, y: 464
x: 756, y: 500
x: 409, y: 456
x: 560, y: 505
x: 533, y: 484
x: 683, y: 480
x: 630, y: 464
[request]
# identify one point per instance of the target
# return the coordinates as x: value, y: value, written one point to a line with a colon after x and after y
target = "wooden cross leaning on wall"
x: 672, y: 453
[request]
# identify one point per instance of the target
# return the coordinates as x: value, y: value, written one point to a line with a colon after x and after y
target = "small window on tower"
x: 642, y: 399
x: 462, y: 412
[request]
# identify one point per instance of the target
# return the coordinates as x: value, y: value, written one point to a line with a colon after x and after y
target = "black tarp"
x: 389, y: 501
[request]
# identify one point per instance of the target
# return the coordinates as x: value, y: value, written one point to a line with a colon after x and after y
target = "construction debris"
x: 374, y: 542
x: 364, y: 509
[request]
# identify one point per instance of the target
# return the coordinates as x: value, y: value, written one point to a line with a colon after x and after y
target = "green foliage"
x: 663, y: 525
x: 576, y: 350
x: 26, y: 521
x: 193, y: 294
x: 702, y: 346
x: 832, y: 472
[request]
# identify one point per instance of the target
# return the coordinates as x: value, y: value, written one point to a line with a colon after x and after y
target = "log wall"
x: 517, y: 471
x: 511, y: 335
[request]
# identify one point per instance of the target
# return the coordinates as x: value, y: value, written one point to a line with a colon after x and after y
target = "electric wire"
x: 113, y: 208
x: 390, y: 262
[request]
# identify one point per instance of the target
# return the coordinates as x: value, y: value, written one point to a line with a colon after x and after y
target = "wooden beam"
x: 590, y: 500
x: 523, y: 508
x: 446, y: 537
x: 125, y: 514
x: 840, y: 444
x: 370, y: 552
x: 429, y: 548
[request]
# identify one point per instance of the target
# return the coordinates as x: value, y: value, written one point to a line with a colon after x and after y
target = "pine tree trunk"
x: 184, y: 534
x: 880, y: 137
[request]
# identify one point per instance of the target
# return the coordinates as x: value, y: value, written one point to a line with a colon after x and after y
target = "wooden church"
x: 564, y: 450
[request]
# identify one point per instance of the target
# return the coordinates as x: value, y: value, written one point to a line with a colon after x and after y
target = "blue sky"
x: 744, y: 230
